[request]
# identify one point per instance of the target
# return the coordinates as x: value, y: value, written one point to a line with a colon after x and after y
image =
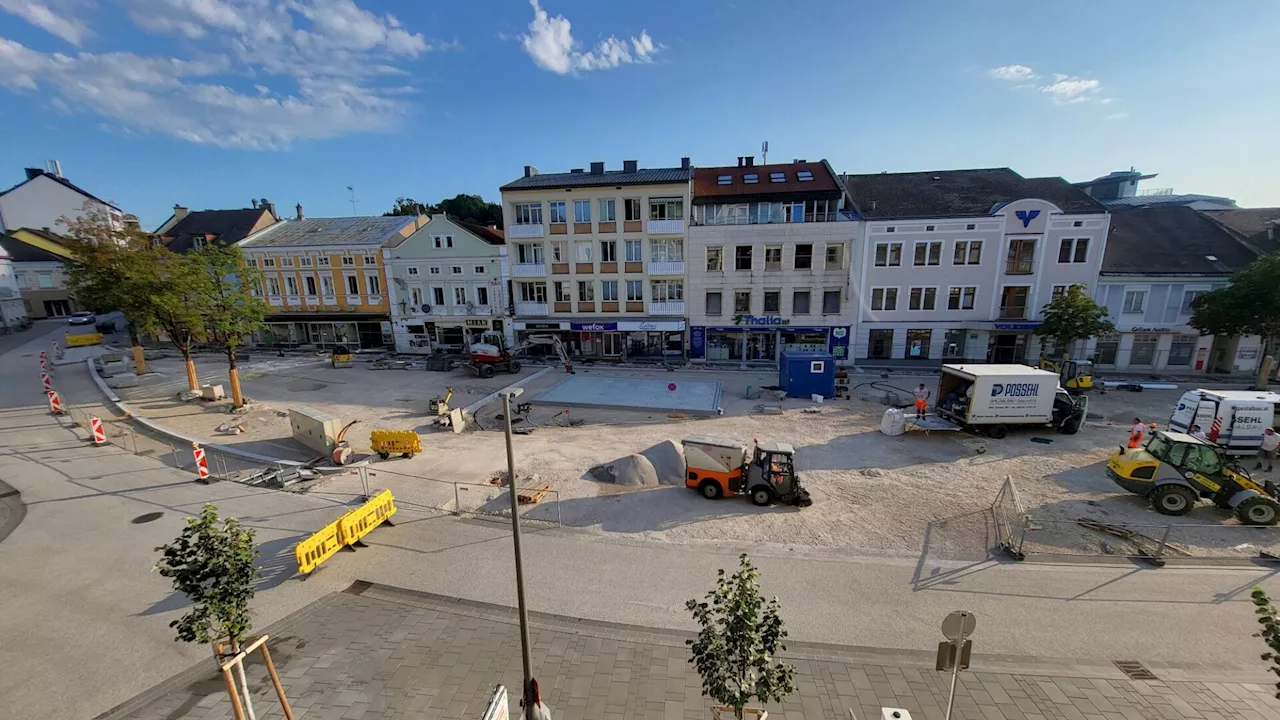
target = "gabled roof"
x: 958, y: 193
x: 1171, y: 240
x: 1258, y: 227
x: 722, y: 183
x: 371, y: 231
x: 1187, y: 199
x: 226, y: 226
x: 33, y: 173
x: 491, y: 235
x: 21, y: 251
x: 657, y: 176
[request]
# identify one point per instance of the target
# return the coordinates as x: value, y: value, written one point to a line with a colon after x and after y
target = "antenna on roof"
x: 352, y: 190
x: 764, y: 153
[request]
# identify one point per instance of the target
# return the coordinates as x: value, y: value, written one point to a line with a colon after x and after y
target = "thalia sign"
x: 759, y: 320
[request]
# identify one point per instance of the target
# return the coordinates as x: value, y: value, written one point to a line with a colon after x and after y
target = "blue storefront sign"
x: 837, y: 337
x: 697, y: 342
x: 839, y: 342
x: 593, y: 326
x: 1018, y: 326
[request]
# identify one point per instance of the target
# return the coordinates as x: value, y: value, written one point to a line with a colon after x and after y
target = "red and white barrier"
x: 46, y: 381
x: 99, y: 437
x: 55, y: 402
x: 202, y: 465
x: 44, y: 360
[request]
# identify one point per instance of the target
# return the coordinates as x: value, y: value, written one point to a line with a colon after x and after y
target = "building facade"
x: 44, y: 198
x: 13, y: 314
x: 324, y: 281
x: 957, y: 265
x: 770, y: 249
x: 39, y: 261
x: 598, y: 258
x: 448, y: 286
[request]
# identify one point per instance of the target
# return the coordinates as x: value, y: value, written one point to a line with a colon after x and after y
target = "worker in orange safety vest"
x: 1136, y: 433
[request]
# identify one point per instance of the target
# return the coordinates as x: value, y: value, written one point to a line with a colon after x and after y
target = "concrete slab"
x: 633, y: 392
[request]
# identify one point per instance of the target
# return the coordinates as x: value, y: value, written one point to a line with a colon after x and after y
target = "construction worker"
x: 1197, y: 433
x: 922, y: 400
x: 1136, y: 433
x: 1270, y: 443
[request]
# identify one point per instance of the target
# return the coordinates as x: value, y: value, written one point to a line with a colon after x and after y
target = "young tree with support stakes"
x: 231, y: 311
x: 1250, y: 305
x: 179, y: 310
x: 735, y: 649
x: 1073, y: 316
x: 1269, y: 619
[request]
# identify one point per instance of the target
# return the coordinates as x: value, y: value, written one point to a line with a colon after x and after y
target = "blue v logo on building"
x: 1026, y: 216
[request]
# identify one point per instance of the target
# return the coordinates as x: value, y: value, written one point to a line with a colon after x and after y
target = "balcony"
x: 666, y: 267
x: 1019, y: 267
x: 525, y: 231
x: 531, y: 309
x: 666, y: 227
x: 527, y: 270
x: 1013, y: 312
x: 666, y: 308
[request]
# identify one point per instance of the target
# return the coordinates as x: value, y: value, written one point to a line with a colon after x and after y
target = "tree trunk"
x: 193, y: 382
x: 233, y: 374
x: 139, y: 359
x: 244, y: 682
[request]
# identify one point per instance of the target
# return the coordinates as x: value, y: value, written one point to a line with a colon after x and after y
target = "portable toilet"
x: 804, y: 374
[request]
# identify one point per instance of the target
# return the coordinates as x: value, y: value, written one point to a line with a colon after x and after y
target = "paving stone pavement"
x: 379, y: 652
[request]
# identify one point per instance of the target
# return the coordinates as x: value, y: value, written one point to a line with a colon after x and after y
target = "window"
x: 286, y: 262
x: 1021, y: 260
x: 666, y: 209
x: 415, y: 297
x: 411, y: 271
x: 724, y: 179
x: 44, y: 280
x: 304, y: 262
x: 714, y: 303
x: 664, y: 291
x: 917, y: 347
x: 804, y: 256
x: 1182, y: 348
x: 742, y: 301
x: 268, y: 262
x: 773, y: 257
x: 273, y: 286
x: 326, y: 285
x: 742, y: 257
x: 529, y: 292
x: 715, y: 259
x: 586, y: 291
x: 479, y: 269
x: 632, y: 206
x: 322, y: 261
x: 528, y: 214
x: 820, y: 210
x: 526, y: 254
x: 440, y: 241
x: 635, y: 291
x: 777, y: 177
x: 557, y: 211
x: 928, y: 253
x: 582, y: 252
x: 608, y: 212
x: 309, y: 282
x: 772, y: 302
x: 1073, y: 251
x: 1189, y: 297
x: 434, y: 270
x: 609, y: 251
x: 609, y: 290
x: 1144, y: 348
x: 962, y: 298
x: 633, y: 250
x: 1058, y: 291
x: 922, y: 298
x: 459, y: 296
x: 1013, y: 302
x: 804, y: 176
x: 1135, y: 301
x: 582, y: 211
x: 562, y: 291
x: 373, y: 283
x: 437, y: 295
x: 835, y: 257
x: 879, y: 344
x: 373, y: 260
x: 353, y: 285
x: 885, y: 299
x: 291, y: 285
x: 670, y: 250
x: 888, y: 254
x: 891, y: 229
x: 830, y: 302
x: 970, y: 226
x: 559, y: 251
x: 197, y: 243
x: 482, y: 296
x: 348, y: 260
x: 751, y: 178
x: 967, y: 252
x: 455, y: 269
x: 793, y: 212
x: 928, y: 228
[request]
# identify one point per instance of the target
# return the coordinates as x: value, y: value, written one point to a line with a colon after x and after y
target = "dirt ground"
x: 871, y: 493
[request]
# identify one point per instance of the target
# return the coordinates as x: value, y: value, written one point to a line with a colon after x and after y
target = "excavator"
x: 491, y: 354
x: 1075, y: 376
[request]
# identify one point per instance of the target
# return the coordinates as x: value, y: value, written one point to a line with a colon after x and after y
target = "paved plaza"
x: 633, y: 392
x: 379, y: 652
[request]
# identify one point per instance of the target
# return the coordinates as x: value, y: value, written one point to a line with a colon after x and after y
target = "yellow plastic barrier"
x: 319, y: 547
x: 395, y: 442
x: 361, y: 521
x: 84, y: 340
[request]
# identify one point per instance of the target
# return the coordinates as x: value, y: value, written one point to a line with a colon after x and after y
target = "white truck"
x: 990, y: 398
x: 1232, y: 419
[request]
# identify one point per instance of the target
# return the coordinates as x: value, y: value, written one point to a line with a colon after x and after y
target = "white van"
x: 1233, y: 419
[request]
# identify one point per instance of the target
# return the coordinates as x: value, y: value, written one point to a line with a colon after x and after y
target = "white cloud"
x: 1063, y: 90
x: 1012, y: 72
x: 264, y: 74
x: 53, y: 17
x: 1118, y: 116
x: 552, y: 47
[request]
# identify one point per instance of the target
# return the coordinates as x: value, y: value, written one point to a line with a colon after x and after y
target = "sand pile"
x: 632, y: 470
x: 667, y: 458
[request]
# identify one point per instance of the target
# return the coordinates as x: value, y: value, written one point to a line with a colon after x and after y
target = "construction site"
x: 601, y: 449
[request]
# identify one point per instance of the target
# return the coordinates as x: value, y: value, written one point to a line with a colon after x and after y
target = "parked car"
x: 82, y: 318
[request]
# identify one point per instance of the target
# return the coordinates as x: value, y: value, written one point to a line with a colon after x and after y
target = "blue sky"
x: 208, y: 103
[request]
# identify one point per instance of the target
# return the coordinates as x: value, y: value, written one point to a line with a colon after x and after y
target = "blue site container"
x: 804, y: 374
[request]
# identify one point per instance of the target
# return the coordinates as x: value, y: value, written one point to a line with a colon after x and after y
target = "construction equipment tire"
x: 485, y: 371
x: 384, y: 455
x: 514, y: 367
x: 710, y: 489
x: 1173, y: 499
x: 1258, y: 510
x: 1070, y: 426
x: 762, y: 496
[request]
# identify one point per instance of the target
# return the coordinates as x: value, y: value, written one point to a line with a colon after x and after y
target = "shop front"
x: 764, y: 339
x: 1010, y: 343
x: 611, y: 339
x: 1170, y: 347
x: 427, y: 335
x: 325, y: 332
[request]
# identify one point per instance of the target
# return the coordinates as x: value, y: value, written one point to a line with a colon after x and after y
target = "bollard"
x: 46, y: 382
x: 44, y: 360
x: 202, y: 465
x: 99, y: 437
x: 55, y: 403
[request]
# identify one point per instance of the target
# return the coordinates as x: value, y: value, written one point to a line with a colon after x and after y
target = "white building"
x: 448, y: 286
x: 769, y: 255
x: 957, y: 265
x: 44, y: 198
x: 12, y: 311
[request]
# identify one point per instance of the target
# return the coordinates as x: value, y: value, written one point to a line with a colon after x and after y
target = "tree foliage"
x: 467, y: 208
x: 1250, y: 305
x: 1074, y: 316
x: 215, y: 565
x: 741, y: 633
x: 409, y: 206
x: 223, y: 294
x: 1269, y: 619
x: 111, y: 268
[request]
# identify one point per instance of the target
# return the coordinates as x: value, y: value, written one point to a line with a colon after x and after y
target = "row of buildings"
x: 736, y: 264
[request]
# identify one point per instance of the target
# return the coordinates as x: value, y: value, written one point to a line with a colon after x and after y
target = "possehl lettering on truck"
x: 1016, y: 390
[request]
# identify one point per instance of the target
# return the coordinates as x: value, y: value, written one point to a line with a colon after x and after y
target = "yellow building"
x: 324, y: 279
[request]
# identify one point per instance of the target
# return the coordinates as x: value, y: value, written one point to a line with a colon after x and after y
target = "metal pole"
x: 1164, y: 541
x: 457, y: 502
x: 515, y: 538
x: 364, y: 482
x: 955, y: 672
x: 134, y: 435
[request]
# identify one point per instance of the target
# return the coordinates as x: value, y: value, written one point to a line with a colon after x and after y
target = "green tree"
x: 231, y: 312
x: 741, y: 633
x: 473, y: 209
x: 179, y: 310
x: 409, y: 206
x: 1073, y: 316
x: 1269, y: 619
x: 1250, y: 305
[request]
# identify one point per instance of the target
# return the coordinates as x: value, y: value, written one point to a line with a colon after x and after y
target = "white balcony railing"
x: 531, y: 309
x: 666, y: 227
x: 528, y: 270
x: 666, y: 308
x: 666, y: 267
x: 524, y: 231
x: 330, y: 299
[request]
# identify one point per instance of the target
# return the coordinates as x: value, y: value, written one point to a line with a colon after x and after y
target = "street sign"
x: 953, y: 655
x: 497, y: 708
x: 958, y: 625
x: 946, y: 659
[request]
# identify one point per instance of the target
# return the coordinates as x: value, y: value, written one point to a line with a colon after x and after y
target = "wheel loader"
x: 717, y: 467
x: 1175, y: 470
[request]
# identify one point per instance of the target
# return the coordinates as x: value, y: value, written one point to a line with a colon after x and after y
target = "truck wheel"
x: 1173, y: 499
x: 1070, y: 426
x: 710, y: 489
x: 762, y: 496
x: 998, y: 431
x: 513, y: 367
x: 1258, y: 511
x: 485, y: 371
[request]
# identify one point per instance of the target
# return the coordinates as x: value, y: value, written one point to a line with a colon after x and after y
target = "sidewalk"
x: 380, y: 652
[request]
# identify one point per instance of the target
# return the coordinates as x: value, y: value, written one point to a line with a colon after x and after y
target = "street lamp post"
x: 527, y: 690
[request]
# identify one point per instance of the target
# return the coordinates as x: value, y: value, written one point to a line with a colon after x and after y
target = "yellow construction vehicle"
x: 1076, y: 376
x: 341, y: 356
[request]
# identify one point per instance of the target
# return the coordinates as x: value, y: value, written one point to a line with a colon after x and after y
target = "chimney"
x: 299, y: 208
x: 629, y: 166
x: 750, y: 160
x: 684, y: 163
x: 576, y: 171
x: 180, y: 212
x: 254, y: 202
x: 33, y: 173
x: 530, y: 171
x: 597, y: 168
x: 270, y: 207
x: 739, y: 161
